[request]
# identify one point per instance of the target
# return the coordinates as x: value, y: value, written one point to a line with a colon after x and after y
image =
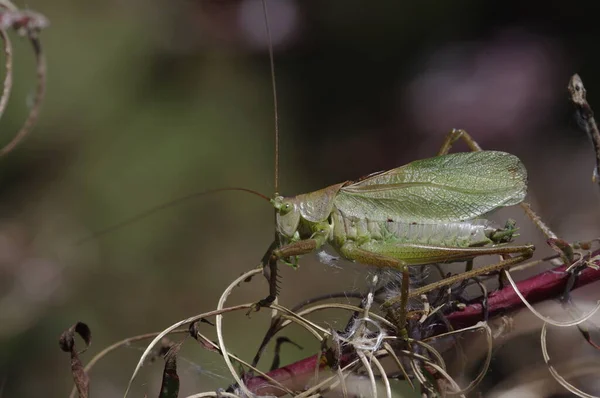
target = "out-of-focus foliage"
x: 151, y: 100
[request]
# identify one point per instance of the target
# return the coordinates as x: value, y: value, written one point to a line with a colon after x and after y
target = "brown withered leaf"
x: 67, y: 344
x: 194, y: 332
x: 170, y: 381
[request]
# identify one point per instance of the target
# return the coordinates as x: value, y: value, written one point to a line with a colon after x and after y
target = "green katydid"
x: 425, y: 212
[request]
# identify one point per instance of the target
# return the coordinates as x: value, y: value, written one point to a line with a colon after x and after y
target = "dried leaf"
x: 170, y: 381
x: 195, y: 333
x: 67, y: 344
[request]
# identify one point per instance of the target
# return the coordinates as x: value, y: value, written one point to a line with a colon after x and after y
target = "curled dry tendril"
x: 28, y: 24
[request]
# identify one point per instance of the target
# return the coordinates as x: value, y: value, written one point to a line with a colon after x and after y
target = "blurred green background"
x: 148, y: 101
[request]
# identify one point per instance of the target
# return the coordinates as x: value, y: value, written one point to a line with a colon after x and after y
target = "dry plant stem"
x: 308, y: 325
x: 348, y: 307
x: 8, y: 72
x: 25, y: 23
x: 386, y: 381
x: 323, y: 383
x: 338, y: 370
x: 244, y: 363
x: 585, y: 119
x: 488, y: 358
x: 279, y: 323
x: 8, y: 5
x: 551, y: 321
x: 171, y: 328
x: 219, y: 327
x: 537, y: 221
x: 391, y: 352
x: 424, y: 382
x: 553, y: 371
x: 321, y: 386
x: 147, y: 336
x: 37, y: 101
x: 193, y: 319
x: 449, y: 379
x: 119, y: 344
x: 214, y: 394
x: 299, y: 372
x: 220, y: 310
x: 431, y: 350
x: 547, y: 285
x: 312, y: 364
x: 367, y: 366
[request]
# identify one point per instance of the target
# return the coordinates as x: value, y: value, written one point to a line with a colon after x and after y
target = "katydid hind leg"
x: 455, y: 135
x: 420, y: 254
x: 522, y: 253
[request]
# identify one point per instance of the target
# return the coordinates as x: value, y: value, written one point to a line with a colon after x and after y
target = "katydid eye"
x: 286, y: 207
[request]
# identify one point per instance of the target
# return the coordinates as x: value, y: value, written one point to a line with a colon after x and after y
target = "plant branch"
x: 550, y: 284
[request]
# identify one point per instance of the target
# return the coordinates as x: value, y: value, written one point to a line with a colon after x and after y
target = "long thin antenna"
x: 274, y: 85
x: 156, y: 209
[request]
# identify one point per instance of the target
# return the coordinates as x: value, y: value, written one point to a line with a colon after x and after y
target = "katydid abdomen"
x: 412, y: 243
x: 461, y: 234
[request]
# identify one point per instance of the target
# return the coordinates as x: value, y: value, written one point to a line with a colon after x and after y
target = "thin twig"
x: 585, y: 119
x: 219, y: 327
x: 553, y: 371
x: 544, y: 318
x: 27, y: 23
x: 190, y: 320
x: 8, y: 72
x: 537, y: 288
x: 117, y: 345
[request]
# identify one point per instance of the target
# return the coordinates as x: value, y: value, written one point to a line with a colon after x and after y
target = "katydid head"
x: 310, y: 208
x: 287, y: 215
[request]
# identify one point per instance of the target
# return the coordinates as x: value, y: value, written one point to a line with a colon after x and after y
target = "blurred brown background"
x: 151, y: 100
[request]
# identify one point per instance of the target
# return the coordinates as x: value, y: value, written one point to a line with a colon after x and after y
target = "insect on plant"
x: 428, y: 211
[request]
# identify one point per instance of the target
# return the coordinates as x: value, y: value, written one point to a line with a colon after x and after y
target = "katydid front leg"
x: 349, y: 251
x: 269, y: 262
x: 293, y: 249
x: 320, y: 233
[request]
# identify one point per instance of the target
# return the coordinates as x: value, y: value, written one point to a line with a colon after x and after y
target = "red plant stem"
x: 544, y: 286
x: 294, y: 376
